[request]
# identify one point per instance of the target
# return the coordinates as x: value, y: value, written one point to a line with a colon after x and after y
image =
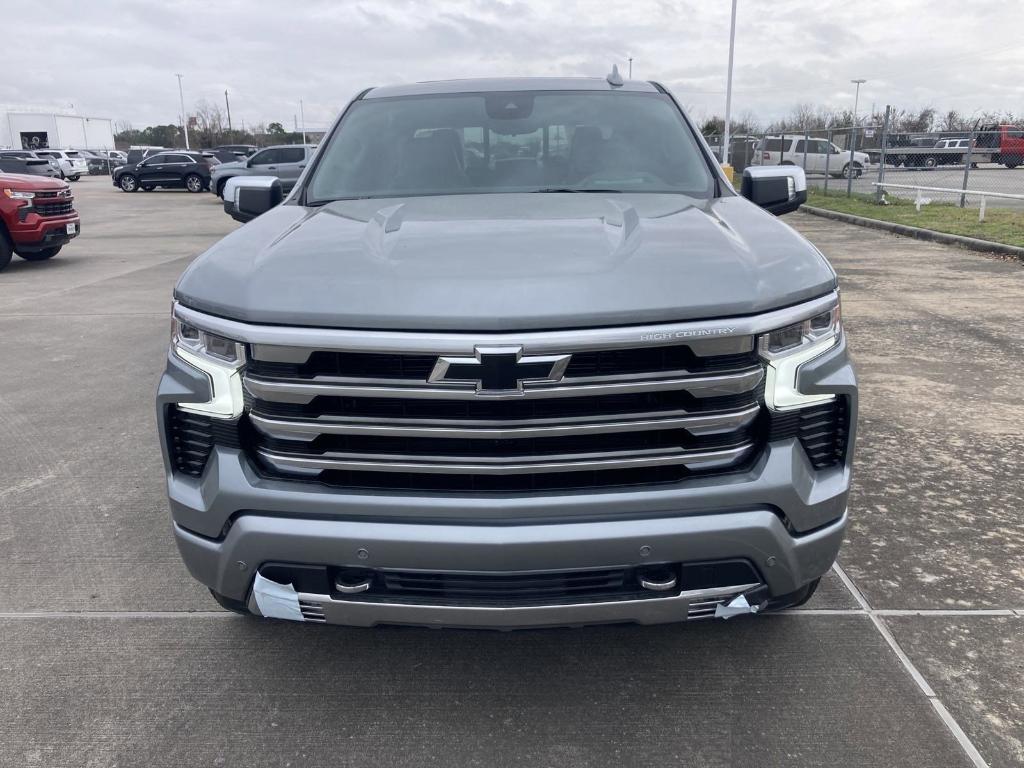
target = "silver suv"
x: 511, y: 353
x: 284, y: 162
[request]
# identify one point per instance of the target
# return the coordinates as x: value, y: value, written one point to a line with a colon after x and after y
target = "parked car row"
x: 24, y: 162
x: 65, y: 164
x: 147, y: 168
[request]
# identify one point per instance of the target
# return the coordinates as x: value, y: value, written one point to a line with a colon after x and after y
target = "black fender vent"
x: 822, y: 430
x: 191, y: 437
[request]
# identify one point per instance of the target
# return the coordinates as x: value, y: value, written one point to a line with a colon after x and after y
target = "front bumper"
x: 780, y: 514
x: 37, y: 232
x: 228, y: 565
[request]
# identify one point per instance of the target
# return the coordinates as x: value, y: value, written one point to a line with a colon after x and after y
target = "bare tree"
x: 209, y: 120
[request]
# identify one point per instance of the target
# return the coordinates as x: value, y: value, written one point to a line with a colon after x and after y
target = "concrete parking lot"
x: 911, y: 654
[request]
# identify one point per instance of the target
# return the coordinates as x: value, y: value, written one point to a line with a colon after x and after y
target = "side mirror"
x: 778, y: 189
x: 246, y: 197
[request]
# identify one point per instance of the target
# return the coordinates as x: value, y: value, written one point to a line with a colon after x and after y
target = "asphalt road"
x: 985, y: 178
x: 112, y: 656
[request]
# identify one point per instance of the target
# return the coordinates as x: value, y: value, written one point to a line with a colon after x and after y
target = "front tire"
x: 194, y: 183
x: 43, y: 255
x: 128, y: 183
x: 74, y: 178
x: 6, y: 250
x: 855, y: 171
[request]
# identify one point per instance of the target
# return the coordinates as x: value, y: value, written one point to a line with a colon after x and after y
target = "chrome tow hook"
x: 658, y: 580
x: 351, y: 584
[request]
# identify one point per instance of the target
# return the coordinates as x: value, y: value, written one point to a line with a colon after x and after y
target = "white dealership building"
x: 27, y: 128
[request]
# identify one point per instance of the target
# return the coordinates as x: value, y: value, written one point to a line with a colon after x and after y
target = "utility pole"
x: 302, y: 114
x: 728, y: 88
x: 184, y: 117
x: 853, y: 137
x: 227, y: 104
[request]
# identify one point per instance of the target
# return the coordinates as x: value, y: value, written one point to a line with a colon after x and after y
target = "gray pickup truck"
x: 511, y: 353
x: 284, y: 162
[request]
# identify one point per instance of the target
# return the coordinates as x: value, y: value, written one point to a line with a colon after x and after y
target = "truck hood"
x: 504, y: 262
x: 30, y: 183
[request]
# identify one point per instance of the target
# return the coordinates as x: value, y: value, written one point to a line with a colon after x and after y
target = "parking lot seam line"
x: 944, y: 714
x: 965, y: 742
x: 89, y: 283
x: 947, y: 612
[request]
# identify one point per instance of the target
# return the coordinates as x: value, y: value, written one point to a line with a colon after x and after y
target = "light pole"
x: 853, y: 137
x: 227, y: 104
x: 302, y: 115
x: 630, y: 67
x: 184, y: 117
x: 728, y: 88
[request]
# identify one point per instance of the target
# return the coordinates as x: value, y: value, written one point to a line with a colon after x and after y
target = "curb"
x: 930, y: 235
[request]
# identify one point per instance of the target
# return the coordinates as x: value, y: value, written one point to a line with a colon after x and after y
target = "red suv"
x: 37, y: 217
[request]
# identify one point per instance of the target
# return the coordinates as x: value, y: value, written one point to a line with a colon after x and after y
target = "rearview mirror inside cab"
x: 778, y: 189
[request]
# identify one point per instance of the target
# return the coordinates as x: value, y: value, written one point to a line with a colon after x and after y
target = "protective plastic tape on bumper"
x: 276, y: 601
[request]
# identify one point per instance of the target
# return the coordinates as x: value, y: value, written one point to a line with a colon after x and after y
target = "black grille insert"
x: 191, y: 437
x: 510, y: 588
x: 55, y: 209
x: 822, y: 431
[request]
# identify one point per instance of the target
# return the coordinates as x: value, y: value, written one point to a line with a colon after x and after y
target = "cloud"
x: 117, y: 58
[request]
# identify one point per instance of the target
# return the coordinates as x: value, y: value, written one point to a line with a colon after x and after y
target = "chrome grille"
x: 651, y: 413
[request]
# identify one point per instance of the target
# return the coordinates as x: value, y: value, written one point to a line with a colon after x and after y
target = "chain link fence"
x: 978, y: 169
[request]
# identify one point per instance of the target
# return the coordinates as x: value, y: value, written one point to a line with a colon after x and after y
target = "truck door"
x: 290, y: 162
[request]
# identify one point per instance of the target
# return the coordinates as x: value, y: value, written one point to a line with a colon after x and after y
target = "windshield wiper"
x: 575, y: 189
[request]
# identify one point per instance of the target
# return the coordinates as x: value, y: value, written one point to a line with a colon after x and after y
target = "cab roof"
x: 509, y: 84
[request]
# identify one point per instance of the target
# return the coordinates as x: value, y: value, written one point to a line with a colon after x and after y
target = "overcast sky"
x: 117, y: 58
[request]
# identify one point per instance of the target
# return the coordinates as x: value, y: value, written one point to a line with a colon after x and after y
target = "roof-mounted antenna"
x: 615, y: 78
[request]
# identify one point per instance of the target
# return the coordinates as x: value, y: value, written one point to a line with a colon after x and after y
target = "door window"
x: 266, y: 157
x: 291, y: 155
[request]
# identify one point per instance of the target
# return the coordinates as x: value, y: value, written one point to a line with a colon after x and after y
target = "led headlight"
x: 786, y: 349
x: 220, y: 359
x: 19, y: 194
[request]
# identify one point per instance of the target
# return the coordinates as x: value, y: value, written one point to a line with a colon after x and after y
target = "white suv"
x: 72, y: 163
x: 792, y: 150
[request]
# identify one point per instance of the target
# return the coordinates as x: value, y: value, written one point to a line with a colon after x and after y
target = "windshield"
x: 510, y: 142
